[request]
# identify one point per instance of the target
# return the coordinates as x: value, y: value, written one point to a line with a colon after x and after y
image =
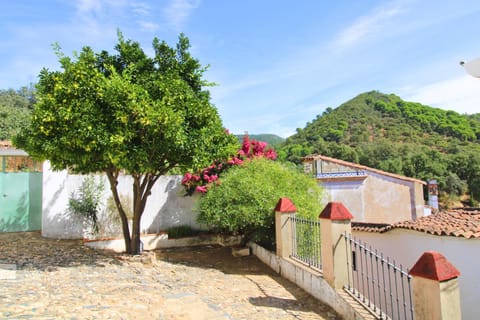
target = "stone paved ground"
x: 66, y: 280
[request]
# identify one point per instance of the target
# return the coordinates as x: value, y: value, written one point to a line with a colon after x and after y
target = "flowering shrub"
x: 201, y: 181
x: 244, y: 202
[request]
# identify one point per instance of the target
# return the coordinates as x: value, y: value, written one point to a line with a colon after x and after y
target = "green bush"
x: 181, y: 231
x: 86, y: 202
x: 244, y: 201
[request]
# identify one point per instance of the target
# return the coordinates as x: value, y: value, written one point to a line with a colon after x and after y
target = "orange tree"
x: 127, y: 113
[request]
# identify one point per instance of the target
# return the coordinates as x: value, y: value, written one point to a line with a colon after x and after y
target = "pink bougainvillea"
x: 201, y: 189
x: 205, y: 178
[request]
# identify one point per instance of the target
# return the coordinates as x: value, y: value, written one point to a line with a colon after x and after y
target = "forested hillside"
x: 272, y: 139
x: 384, y: 132
x: 15, y: 107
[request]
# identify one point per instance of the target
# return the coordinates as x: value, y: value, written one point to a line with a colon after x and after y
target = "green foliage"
x: 127, y: 205
x: 472, y: 202
x: 181, y: 231
x: 244, y: 201
x: 127, y: 112
x: 15, y: 108
x: 307, y: 240
x: 384, y: 132
x: 86, y: 201
x: 454, y: 185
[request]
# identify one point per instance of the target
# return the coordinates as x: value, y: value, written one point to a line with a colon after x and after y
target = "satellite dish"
x: 472, y: 67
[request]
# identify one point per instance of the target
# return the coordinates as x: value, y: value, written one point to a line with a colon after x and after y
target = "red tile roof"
x: 361, y: 167
x: 371, y: 227
x: 456, y: 223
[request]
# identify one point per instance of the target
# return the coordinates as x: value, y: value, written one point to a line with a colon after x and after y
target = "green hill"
x: 385, y: 132
x: 272, y: 139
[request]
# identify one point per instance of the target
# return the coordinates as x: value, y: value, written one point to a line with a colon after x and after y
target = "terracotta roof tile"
x: 371, y: 227
x: 455, y: 223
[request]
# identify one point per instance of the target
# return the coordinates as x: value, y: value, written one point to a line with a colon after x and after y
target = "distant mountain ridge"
x: 385, y: 132
x: 272, y: 139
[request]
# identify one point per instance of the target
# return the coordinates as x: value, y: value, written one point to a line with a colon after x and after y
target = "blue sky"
x: 278, y: 63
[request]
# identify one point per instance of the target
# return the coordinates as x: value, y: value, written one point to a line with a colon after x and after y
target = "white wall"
x: 166, y: 206
x: 350, y: 194
x: 406, y: 247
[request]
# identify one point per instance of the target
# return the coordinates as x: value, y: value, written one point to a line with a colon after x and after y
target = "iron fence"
x: 377, y: 282
x: 306, y: 241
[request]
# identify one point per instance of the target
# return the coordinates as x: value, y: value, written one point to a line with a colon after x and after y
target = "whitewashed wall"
x: 166, y: 206
x: 406, y: 246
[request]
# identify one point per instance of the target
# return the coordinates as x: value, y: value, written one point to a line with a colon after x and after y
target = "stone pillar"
x: 436, y: 294
x: 334, y: 222
x: 284, y: 210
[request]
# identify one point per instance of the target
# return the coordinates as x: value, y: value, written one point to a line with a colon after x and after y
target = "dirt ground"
x: 63, y: 279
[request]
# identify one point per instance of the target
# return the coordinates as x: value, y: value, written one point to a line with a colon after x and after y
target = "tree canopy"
x: 127, y: 113
x: 15, y: 108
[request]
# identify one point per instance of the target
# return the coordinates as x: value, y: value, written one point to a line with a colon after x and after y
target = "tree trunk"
x: 113, y: 179
x: 142, y: 186
x: 135, y: 241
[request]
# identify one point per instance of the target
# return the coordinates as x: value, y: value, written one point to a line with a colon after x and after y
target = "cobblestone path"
x: 66, y: 280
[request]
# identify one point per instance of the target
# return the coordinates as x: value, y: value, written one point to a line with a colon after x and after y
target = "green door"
x: 20, y: 201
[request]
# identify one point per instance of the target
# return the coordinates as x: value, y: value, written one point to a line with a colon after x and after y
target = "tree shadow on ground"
x: 259, y: 274
x: 30, y: 251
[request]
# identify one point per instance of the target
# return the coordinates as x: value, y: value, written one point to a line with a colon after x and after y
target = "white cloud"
x: 87, y: 6
x: 461, y: 94
x: 178, y: 11
x: 148, y: 26
x: 366, y: 26
x: 97, y: 14
x: 140, y: 8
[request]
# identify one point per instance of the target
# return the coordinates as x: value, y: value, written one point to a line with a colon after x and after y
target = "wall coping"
x: 285, y: 205
x: 335, y: 211
x: 433, y: 265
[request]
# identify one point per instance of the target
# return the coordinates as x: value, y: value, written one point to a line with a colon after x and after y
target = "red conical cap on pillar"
x: 433, y: 265
x: 285, y: 205
x: 336, y: 211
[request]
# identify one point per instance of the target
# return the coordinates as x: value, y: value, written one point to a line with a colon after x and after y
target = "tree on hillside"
x: 15, y: 107
x: 127, y: 113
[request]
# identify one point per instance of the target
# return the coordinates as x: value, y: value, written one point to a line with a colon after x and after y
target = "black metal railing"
x: 378, y: 282
x: 306, y: 241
